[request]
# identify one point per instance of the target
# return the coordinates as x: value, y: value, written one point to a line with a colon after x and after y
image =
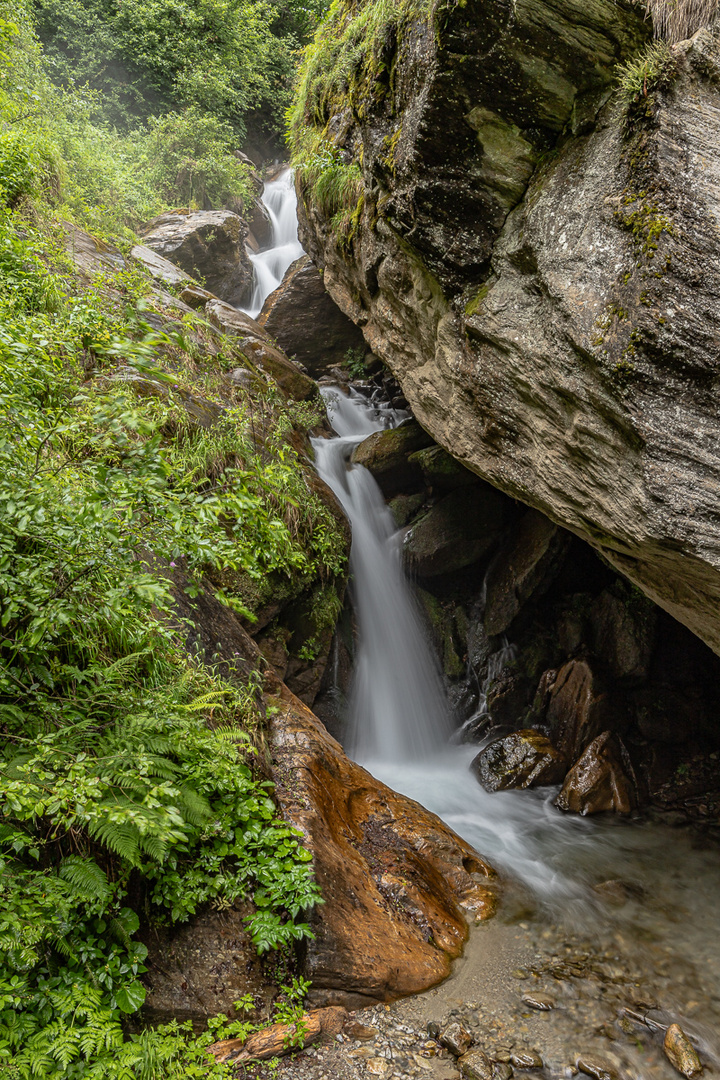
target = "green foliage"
x: 330, y: 182
x: 126, y: 768
x: 354, y: 361
x: 653, y: 69
x: 189, y: 160
x: 351, y: 57
x: 149, y: 57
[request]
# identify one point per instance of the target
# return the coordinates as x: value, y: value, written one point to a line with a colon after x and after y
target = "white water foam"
x: 280, y: 202
x: 398, y: 710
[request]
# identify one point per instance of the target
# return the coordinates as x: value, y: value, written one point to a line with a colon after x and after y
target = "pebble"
x: 476, y: 1065
x: 355, y: 1030
x: 596, y: 1067
x: 538, y: 1001
x: 681, y: 1053
x: 456, y: 1038
x: 526, y: 1059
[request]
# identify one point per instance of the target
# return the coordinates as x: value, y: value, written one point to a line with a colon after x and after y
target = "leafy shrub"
x: 126, y: 768
x: 190, y: 160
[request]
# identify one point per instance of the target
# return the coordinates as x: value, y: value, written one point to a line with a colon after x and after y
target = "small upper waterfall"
x: 280, y: 201
x: 398, y: 710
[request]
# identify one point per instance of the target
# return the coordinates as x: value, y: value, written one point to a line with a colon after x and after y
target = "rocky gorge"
x: 566, y: 674
x: 513, y: 308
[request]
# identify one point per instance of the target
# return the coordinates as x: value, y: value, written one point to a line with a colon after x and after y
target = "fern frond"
x: 194, y: 806
x: 123, y: 840
x: 86, y: 878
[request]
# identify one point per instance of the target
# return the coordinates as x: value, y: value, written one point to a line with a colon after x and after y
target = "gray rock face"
x: 206, y: 244
x: 553, y: 324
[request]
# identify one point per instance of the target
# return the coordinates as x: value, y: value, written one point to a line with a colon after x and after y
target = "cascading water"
x: 398, y: 716
x: 270, y: 265
x: 398, y: 710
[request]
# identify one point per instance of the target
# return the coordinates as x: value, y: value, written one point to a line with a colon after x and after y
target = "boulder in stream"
x: 579, y: 707
x: 208, y: 245
x: 521, y: 760
x: 681, y: 1053
x: 399, y: 885
x: 304, y: 320
x: 598, y: 781
x: 455, y: 532
x: 385, y: 453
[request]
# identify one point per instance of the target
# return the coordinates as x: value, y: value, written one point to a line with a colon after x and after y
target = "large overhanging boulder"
x: 538, y: 261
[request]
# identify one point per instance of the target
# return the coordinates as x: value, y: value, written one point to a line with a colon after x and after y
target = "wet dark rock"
x: 507, y: 700
x: 306, y: 323
x: 385, y: 454
x: 502, y: 1070
x: 440, y: 469
x: 541, y: 1002
x: 579, y: 708
x: 260, y: 227
x: 598, y: 781
x: 623, y: 631
x: 526, y: 1059
x: 455, y: 532
x: 475, y: 1065
x: 403, y: 507
x: 433, y: 1029
x: 525, y: 568
x: 521, y: 760
x: 681, y: 1053
x: 209, y: 245
x: 597, y: 1067
x: 455, y: 1038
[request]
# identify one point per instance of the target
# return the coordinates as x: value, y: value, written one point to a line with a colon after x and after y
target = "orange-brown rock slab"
x: 399, y: 885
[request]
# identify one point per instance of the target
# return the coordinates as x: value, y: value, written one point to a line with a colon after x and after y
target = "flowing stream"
x: 280, y: 201
x: 560, y: 868
x: 633, y: 904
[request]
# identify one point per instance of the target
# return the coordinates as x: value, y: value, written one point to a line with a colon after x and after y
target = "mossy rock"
x: 386, y: 454
x: 441, y: 470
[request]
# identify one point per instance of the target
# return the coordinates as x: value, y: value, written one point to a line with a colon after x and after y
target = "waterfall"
x: 280, y: 201
x: 398, y: 710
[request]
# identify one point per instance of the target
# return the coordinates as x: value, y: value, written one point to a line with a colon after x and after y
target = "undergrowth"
x: 130, y: 792
x: 654, y: 69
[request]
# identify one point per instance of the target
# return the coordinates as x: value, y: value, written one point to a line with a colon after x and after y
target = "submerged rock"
x: 522, y: 760
x: 476, y: 1065
x: 209, y: 245
x: 598, y: 782
x: 681, y: 1053
x: 456, y: 1039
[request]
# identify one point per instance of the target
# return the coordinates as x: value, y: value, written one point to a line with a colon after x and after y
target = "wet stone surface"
x: 618, y: 981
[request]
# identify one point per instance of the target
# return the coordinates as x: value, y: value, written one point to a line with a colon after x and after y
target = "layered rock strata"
x: 537, y: 261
